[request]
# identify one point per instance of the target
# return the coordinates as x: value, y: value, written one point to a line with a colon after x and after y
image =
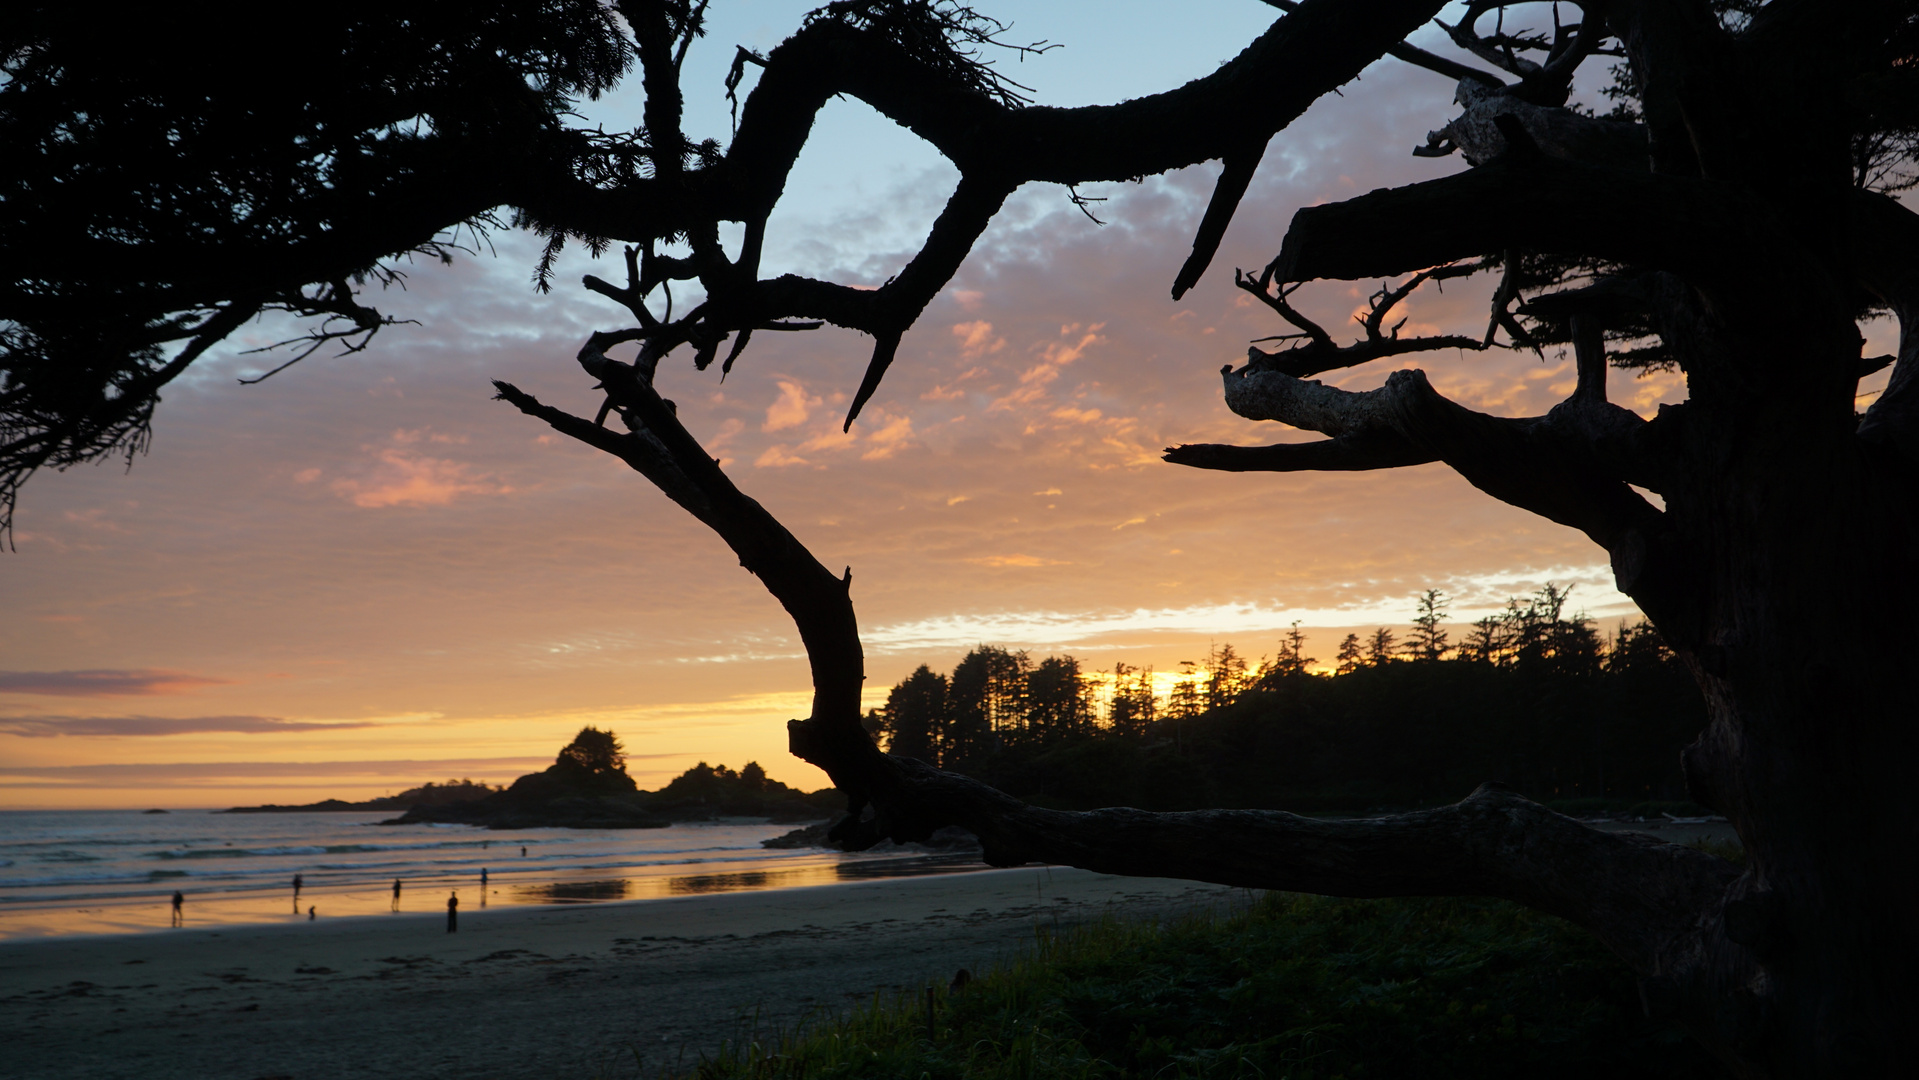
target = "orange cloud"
x: 791, y: 408
x: 997, y: 561
x: 976, y: 339
x: 407, y: 478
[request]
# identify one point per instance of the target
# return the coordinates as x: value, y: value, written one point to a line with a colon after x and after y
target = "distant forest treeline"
x: 1533, y: 696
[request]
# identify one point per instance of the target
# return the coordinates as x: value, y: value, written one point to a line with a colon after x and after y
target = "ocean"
x: 115, y: 871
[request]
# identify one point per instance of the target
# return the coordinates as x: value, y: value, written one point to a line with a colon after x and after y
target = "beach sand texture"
x: 550, y: 992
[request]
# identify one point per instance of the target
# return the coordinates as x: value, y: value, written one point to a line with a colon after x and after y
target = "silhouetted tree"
x: 1225, y: 676
x: 594, y: 752
x: 1135, y: 705
x: 915, y: 719
x: 753, y: 777
x: 1291, y: 658
x: 1381, y: 647
x: 1637, y: 647
x: 1729, y: 220
x: 1485, y: 643
x: 1429, y: 640
x: 1350, y: 656
x: 986, y: 700
x: 1058, y: 701
x: 1185, y: 701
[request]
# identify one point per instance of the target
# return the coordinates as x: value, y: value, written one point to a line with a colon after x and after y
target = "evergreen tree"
x: 1379, y: 647
x: 915, y: 717
x: 1637, y: 647
x: 1429, y: 641
x: 1292, y: 658
x: 1134, y: 706
x: 1184, y: 702
x: 1351, y: 657
x: 1058, y: 702
x: 986, y: 698
x: 1487, y: 641
x: 1225, y: 676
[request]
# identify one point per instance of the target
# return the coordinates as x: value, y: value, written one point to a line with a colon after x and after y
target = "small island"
x: 587, y: 787
x: 427, y: 794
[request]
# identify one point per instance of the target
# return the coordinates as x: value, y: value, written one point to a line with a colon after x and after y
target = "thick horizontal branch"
x: 1531, y: 202
x: 1566, y: 466
x: 1350, y: 453
x: 1636, y: 893
x: 1302, y: 57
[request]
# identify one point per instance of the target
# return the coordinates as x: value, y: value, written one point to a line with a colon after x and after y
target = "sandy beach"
x: 561, y: 991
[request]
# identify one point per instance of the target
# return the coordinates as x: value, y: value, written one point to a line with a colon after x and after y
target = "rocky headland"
x: 587, y: 787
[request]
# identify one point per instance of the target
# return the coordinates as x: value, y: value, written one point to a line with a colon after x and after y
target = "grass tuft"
x: 1297, y: 987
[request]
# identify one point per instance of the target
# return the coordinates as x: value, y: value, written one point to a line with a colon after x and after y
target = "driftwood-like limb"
x: 1565, y: 466
x: 1558, y: 132
x: 1540, y: 204
x: 1349, y: 453
x: 1313, y: 350
x: 1638, y: 894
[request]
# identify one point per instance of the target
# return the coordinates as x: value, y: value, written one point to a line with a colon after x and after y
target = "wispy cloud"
x: 200, y: 774
x: 42, y: 727
x: 404, y: 476
x: 104, y: 682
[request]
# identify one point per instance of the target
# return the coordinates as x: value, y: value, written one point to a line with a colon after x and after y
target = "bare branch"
x: 1236, y: 172
x: 1313, y: 351
x: 1416, y: 56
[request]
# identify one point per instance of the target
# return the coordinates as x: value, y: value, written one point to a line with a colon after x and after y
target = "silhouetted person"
x: 453, y: 913
x: 296, y: 894
x: 522, y: 851
x: 396, y: 894
x: 482, y: 877
x: 312, y: 913
x: 179, y: 902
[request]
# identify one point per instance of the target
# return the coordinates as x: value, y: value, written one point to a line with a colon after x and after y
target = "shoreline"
x: 526, y: 991
x: 425, y: 896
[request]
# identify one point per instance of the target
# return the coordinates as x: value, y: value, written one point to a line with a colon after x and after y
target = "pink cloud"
x: 406, y: 477
x: 791, y: 408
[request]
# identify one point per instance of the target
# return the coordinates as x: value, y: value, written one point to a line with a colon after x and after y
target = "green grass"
x: 1299, y: 987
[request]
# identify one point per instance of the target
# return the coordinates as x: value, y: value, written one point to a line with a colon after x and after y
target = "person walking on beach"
x: 453, y: 913
x: 296, y: 894
x: 522, y: 851
x: 179, y: 915
x: 312, y: 913
x: 396, y: 894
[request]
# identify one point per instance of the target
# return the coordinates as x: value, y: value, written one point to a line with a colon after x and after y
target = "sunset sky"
x: 364, y: 574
